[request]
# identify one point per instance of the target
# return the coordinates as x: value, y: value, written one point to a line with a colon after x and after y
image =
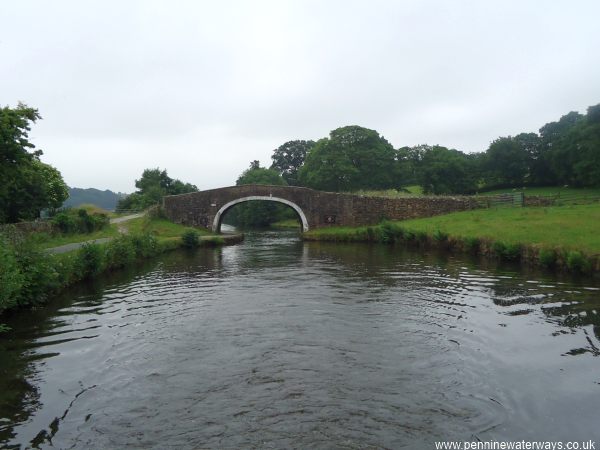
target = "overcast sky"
x: 202, y: 88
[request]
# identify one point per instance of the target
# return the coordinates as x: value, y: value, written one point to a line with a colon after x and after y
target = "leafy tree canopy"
x: 507, y: 162
x: 28, y: 185
x: 153, y: 185
x: 260, y: 175
x: 351, y: 158
x: 289, y: 157
x: 447, y: 171
x: 258, y: 214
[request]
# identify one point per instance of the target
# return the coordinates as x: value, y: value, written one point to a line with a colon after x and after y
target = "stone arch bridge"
x: 315, y: 209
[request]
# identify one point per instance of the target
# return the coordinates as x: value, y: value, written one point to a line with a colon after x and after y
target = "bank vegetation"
x: 30, y: 275
x: 562, y: 237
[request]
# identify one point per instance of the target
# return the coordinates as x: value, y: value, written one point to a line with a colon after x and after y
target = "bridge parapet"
x: 316, y: 209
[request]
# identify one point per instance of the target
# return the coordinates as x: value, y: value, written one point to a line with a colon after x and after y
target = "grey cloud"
x: 202, y: 88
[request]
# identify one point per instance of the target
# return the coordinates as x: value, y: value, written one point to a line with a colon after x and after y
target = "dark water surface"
x: 276, y: 343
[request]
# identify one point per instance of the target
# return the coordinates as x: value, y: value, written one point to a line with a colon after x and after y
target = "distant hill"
x: 104, y: 199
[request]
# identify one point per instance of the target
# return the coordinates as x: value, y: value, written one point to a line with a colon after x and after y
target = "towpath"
x: 75, y: 245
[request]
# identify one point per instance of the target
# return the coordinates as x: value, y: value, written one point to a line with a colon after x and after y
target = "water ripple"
x: 279, y: 343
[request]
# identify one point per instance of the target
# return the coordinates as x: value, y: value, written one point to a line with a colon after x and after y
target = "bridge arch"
x: 216, y: 225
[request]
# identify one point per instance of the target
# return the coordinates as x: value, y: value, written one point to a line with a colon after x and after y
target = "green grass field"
x: 568, y: 227
x: 571, y: 227
x: 288, y: 223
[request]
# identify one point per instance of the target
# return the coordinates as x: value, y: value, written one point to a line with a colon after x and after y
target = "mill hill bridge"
x: 315, y: 209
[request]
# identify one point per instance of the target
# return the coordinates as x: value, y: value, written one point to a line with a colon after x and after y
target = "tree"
x: 260, y: 175
x: 28, y: 185
x: 447, y: 171
x: 409, y: 162
x: 555, y: 146
x: 56, y: 190
x: 153, y: 185
x: 539, y: 172
x: 289, y: 157
x: 179, y: 187
x: 507, y: 162
x: 581, y: 147
x: 258, y: 214
x: 351, y: 158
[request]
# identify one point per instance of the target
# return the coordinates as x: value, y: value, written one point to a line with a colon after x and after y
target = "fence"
x: 515, y: 199
x: 574, y: 198
x: 128, y: 211
x: 509, y: 199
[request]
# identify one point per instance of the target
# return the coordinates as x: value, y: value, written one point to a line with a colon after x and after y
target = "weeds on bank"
x: 28, y: 275
x: 190, y: 239
x: 548, y: 254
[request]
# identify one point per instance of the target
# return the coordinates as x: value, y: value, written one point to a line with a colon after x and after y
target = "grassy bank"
x: 287, y: 224
x: 29, y: 276
x: 45, y: 240
x: 160, y: 227
x: 563, y: 237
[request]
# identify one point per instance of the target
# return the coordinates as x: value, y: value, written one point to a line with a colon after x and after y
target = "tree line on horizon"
x: 351, y: 158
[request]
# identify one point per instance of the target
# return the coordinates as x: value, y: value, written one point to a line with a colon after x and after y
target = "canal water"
x: 278, y: 343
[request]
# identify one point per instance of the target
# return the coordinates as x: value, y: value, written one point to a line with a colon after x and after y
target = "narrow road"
x: 126, y: 218
x: 75, y: 245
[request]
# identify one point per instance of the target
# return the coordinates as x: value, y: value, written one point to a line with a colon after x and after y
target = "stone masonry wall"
x: 40, y: 226
x: 320, y: 208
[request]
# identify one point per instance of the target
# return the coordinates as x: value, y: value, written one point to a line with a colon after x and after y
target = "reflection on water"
x: 280, y: 343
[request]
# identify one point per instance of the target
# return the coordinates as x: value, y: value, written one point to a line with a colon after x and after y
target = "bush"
x: 472, y: 244
x: 190, y: 239
x: 440, y: 236
x: 120, y: 252
x: 39, y: 275
x: 79, y: 221
x: 145, y: 245
x: 510, y: 252
x: 28, y: 275
x: 90, y: 259
x: 11, y: 278
x: 90, y: 223
x: 65, y: 222
x: 547, y: 257
x: 419, y: 236
x: 577, y: 262
x: 66, y: 269
x: 498, y: 248
x: 410, y: 236
x: 390, y: 232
